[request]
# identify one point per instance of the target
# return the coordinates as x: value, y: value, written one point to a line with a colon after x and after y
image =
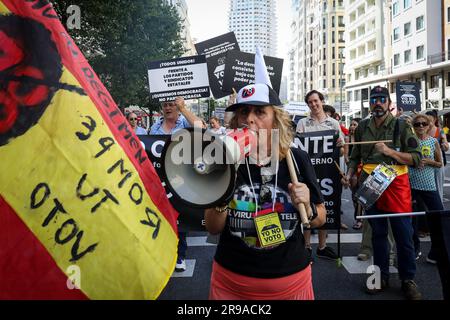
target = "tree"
x: 119, y: 38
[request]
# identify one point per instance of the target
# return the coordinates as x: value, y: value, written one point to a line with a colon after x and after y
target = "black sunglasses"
x: 374, y: 100
x: 420, y: 124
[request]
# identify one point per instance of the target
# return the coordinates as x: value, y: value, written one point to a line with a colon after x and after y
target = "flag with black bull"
x: 321, y: 147
x: 83, y: 215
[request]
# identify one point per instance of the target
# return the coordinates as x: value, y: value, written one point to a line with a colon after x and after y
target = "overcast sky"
x: 209, y: 19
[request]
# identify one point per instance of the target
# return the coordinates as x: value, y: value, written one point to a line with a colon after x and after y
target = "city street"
x: 330, y: 281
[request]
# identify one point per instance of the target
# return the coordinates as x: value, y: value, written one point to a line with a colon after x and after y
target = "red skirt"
x: 227, y: 285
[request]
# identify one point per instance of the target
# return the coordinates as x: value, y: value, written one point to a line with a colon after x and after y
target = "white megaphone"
x: 200, y: 167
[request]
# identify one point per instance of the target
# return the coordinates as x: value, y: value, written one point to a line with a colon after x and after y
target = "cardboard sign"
x: 186, y: 77
x: 408, y: 96
x: 321, y: 147
x: 240, y: 71
x: 215, y: 50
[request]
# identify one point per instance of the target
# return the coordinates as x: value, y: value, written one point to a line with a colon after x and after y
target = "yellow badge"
x: 269, y: 230
x: 426, y: 151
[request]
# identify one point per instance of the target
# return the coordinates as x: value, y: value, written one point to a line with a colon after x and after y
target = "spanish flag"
x: 83, y: 214
x: 397, y: 197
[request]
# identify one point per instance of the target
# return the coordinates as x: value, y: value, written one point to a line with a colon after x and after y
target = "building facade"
x: 254, y: 23
x: 390, y: 41
x: 188, y: 43
x: 317, y: 47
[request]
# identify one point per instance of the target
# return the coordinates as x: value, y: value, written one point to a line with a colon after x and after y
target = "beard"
x: 378, y: 112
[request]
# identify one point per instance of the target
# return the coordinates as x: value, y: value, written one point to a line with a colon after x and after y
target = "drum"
x: 375, y: 184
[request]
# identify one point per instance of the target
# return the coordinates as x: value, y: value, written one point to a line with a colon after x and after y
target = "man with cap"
x: 402, y: 152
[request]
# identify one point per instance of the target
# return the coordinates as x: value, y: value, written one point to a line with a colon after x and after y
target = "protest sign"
x: 186, y: 77
x: 321, y: 147
x: 408, y: 96
x: 215, y: 50
x: 240, y: 70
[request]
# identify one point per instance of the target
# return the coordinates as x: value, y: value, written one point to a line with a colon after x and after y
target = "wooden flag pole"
x: 301, y: 207
x: 369, y: 142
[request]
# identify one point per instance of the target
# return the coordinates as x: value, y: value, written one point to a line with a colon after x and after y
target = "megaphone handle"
x: 301, y: 207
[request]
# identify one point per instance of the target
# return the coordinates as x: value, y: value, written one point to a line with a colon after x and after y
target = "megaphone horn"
x: 200, y: 167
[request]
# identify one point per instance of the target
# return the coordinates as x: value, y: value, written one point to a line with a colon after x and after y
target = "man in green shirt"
x: 402, y: 152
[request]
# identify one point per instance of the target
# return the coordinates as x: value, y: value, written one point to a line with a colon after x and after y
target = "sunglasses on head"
x: 420, y: 124
x: 381, y: 99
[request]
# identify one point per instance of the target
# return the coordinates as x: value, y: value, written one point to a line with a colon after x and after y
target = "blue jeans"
x: 403, y: 234
x: 182, y: 245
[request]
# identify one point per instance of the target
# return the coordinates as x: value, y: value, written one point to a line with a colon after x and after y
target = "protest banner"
x: 321, y: 147
x: 215, y: 50
x: 186, y: 77
x: 240, y: 71
x: 408, y: 96
x: 83, y: 213
x: 189, y: 219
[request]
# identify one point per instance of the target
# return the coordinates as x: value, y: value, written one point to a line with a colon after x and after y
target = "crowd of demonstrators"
x: 318, y: 120
x: 176, y: 116
x: 405, y: 152
x: 242, y: 267
x: 133, y: 121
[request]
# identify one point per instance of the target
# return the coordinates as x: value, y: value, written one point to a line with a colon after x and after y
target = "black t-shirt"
x: 239, y: 249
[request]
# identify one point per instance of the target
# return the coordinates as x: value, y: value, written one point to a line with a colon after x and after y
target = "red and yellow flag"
x: 83, y: 214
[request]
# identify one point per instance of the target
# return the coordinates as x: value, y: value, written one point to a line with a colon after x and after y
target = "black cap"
x: 257, y: 94
x: 379, y: 91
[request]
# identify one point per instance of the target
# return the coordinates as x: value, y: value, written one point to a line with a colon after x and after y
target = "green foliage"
x: 120, y: 37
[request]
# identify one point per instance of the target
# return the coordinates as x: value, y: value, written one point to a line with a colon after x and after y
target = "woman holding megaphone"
x: 261, y: 253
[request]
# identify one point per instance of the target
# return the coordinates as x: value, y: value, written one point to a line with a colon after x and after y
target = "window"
x: 406, y: 4
x: 333, y: 69
x: 448, y: 79
x: 324, y: 83
x: 333, y: 18
x: 395, y: 8
x: 333, y: 53
x: 396, y: 59
x: 333, y: 83
x: 396, y: 34
x: 448, y: 14
x: 407, y: 29
x: 419, y: 52
x: 341, y: 21
x: 333, y: 37
x: 341, y: 36
x: 324, y: 69
x: 419, y: 23
x: 407, y: 56
x: 434, y: 81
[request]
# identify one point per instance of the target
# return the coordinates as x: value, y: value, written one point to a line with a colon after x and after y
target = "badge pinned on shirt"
x: 268, y: 228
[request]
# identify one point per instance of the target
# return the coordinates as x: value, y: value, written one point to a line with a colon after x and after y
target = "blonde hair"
x: 423, y: 116
x: 283, y: 123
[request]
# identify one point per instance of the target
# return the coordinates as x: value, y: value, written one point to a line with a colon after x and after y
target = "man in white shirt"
x: 318, y: 120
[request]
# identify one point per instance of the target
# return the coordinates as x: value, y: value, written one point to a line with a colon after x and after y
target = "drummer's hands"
x: 349, y: 181
x: 299, y: 193
x: 382, y: 148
